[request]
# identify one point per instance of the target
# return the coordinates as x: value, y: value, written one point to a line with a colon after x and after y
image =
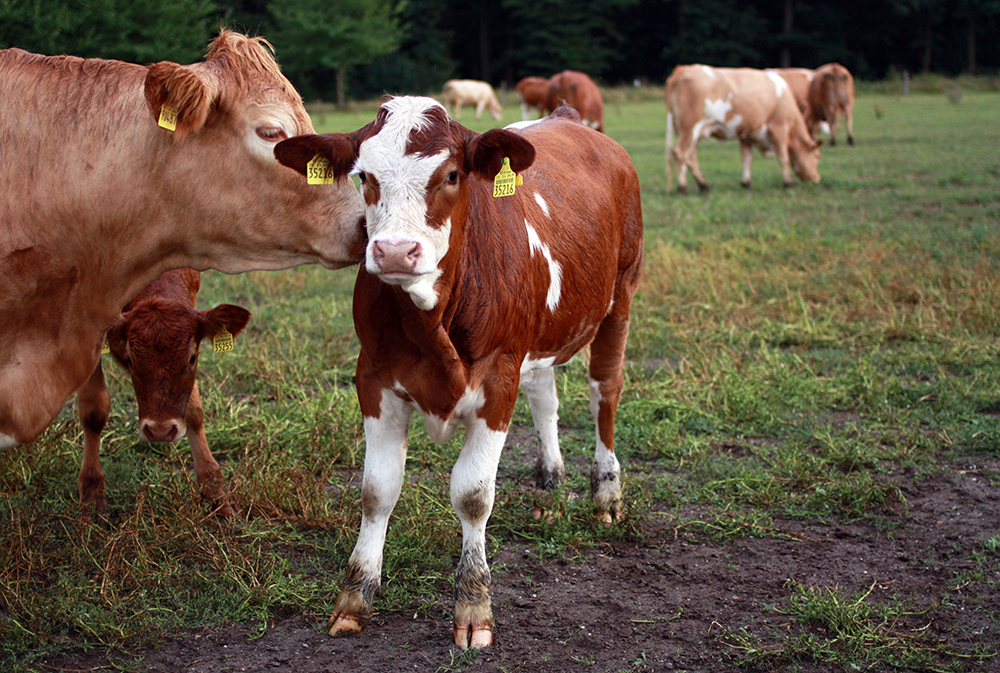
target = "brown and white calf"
x: 581, y: 93
x: 459, y: 92
x: 156, y: 340
x: 831, y: 98
x: 533, y: 93
x: 112, y: 173
x: 754, y: 106
x: 465, y: 294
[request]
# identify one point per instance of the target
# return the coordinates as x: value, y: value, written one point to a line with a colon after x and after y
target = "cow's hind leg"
x: 607, y: 354
x: 473, y: 482
x: 746, y: 154
x: 385, y: 461
x: 539, y: 387
x: 94, y: 405
x: 205, y: 466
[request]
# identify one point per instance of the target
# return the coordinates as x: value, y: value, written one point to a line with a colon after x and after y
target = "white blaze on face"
x: 400, y: 214
x: 555, y: 268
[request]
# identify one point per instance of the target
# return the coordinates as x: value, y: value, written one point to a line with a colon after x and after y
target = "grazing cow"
x: 466, y: 292
x: 754, y: 106
x: 156, y: 340
x: 459, y: 92
x: 533, y: 92
x: 113, y: 173
x: 579, y: 92
x: 831, y: 97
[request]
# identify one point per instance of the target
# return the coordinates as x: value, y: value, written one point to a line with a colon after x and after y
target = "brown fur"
x: 831, y: 98
x: 577, y: 90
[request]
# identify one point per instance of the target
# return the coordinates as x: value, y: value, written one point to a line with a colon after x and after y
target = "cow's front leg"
x: 385, y: 461
x: 746, y: 154
x: 94, y: 406
x: 205, y: 466
x: 473, y: 481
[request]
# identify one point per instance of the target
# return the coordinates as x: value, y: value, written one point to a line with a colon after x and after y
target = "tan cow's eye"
x: 271, y: 133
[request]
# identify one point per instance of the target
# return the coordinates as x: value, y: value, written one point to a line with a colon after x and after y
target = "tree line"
x: 334, y: 49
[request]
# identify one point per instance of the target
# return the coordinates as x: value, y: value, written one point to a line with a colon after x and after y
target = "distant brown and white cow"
x: 577, y: 90
x: 831, y: 98
x: 533, y: 92
x: 754, y: 106
x: 459, y: 92
x: 465, y: 293
x: 97, y: 200
x: 156, y: 340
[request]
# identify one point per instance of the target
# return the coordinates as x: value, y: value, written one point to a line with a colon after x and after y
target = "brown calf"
x: 472, y: 284
x: 156, y: 340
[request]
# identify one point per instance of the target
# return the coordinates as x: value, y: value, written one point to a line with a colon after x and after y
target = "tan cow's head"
x: 803, y: 153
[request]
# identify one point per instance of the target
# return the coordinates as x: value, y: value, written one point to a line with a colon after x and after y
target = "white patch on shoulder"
x: 780, y: 85
x: 543, y: 204
x: 8, y: 442
x: 441, y: 429
x: 555, y: 268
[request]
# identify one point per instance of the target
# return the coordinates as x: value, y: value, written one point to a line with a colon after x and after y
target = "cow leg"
x: 607, y: 354
x: 539, y: 387
x: 479, y: 108
x: 385, y: 461
x: 780, y: 138
x: 834, y: 125
x: 473, y: 482
x: 746, y: 154
x: 94, y: 406
x: 205, y: 466
x: 686, y: 152
x: 849, y: 122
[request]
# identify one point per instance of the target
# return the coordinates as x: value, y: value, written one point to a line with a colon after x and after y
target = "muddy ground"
x: 670, y: 603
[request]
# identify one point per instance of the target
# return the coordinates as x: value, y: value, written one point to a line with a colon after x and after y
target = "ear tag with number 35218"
x: 222, y: 342
x: 319, y: 171
x: 168, y: 117
x: 506, y: 180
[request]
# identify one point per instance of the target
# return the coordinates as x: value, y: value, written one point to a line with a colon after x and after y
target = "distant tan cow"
x: 112, y: 173
x: 580, y: 92
x: 754, y: 106
x: 798, y: 81
x: 459, y: 92
x: 533, y: 92
x: 831, y: 97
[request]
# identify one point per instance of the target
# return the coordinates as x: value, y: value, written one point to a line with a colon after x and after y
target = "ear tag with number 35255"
x: 222, y: 342
x: 319, y: 171
x: 168, y: 117
x: 506, y: 180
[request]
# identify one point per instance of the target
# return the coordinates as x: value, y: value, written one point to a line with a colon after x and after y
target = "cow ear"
x: 179, y: 96
x: 230, y: 317
x: 484, y: 154
x: 340, y: 149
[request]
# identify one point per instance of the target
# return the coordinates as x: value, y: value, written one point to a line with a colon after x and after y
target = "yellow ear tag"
x: 168, y: 117
x: 106, y: 348
x: 222, y: 342
x: 319, y: 171
x: 506, y: 180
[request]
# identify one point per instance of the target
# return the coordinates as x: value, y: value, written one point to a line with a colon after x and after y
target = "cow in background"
x: 474, y: 282
x: 798, y: 80
x: 156, y: 340
x: 754, y: 106
x: 581, y: 93
x: 533, y: 93
x: 831, y: 98
x: 114, y: 173
x: 459, y: 92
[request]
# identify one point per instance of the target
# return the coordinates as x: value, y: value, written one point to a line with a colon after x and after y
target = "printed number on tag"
x: 505, y: 181
x: 222, y: 342
x: 319, y: 171
x: 168, y: 117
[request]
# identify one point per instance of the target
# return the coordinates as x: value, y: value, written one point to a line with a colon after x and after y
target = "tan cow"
x: 754, y: 106
x: 798, y: 80
x: 831, y: 98
x: 156, y: 340
x: 533, y: 92
x: 459, y: 92
x: 113, y: 173
x: 577, y: 90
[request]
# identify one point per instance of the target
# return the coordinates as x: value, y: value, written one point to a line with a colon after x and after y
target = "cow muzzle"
x: 169, y: 430
x: 395, y: 257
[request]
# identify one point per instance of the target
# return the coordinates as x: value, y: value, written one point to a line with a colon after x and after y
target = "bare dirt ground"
x: 665, y: 604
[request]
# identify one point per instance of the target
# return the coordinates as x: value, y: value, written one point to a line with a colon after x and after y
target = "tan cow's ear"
x: 179, y: 97
x: 340, y: 149
x: 224, y: 316
x: 484, y: 154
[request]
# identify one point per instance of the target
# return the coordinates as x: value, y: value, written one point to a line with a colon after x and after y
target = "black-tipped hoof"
x: 682, y: 189
x: 703, y: 187
x: 833, y: 141
x: 746, y: 184
x: 789, y: 185
x: 850, y: 140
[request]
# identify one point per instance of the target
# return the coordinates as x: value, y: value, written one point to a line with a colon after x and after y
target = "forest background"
x: 335, y: 50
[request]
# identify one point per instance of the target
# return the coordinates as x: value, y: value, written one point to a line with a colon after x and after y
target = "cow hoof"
x: 343, y: 624
x: 833, y: 141
x: 746, y: 184
x: 789, y: 185
x: 703, y: 187
x: 850, y: 140
x: 682, y: 189
x: 475, y: 637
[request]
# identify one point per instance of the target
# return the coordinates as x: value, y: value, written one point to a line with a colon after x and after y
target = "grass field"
x: 847, y: 328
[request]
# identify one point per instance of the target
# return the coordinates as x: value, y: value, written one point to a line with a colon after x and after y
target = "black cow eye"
x: 362, y: 176
x: 453, y: 177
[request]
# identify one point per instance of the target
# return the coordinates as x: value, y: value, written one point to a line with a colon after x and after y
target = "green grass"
x: 789, y: 349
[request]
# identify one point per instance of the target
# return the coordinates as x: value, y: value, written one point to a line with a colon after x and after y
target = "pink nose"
x: 396, y: 257
x: 160, y: 431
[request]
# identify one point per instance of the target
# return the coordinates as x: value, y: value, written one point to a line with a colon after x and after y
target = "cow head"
x: 803, y: 152
x: 416, y: 167
x: 157, y: 343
